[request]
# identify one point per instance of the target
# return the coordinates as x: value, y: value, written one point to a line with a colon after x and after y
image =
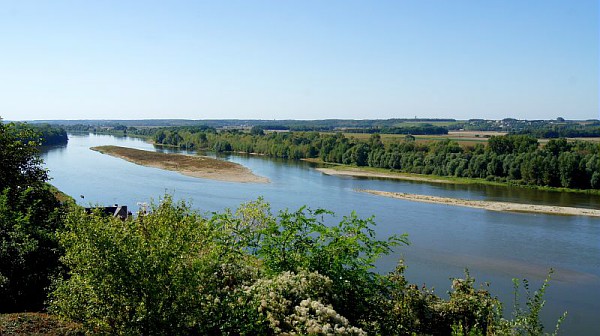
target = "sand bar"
x: 195, y: 166
x: 488, y: 205
x: 357, y: 172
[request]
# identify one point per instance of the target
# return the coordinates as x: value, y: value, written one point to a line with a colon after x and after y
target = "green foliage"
x: 153, y: 274
x: 19, y: 159
x: 472, y: 310
x: 257, y: 130
x: 47, y: 135
x: 345, y: 253
x: 175, y: 271
x: 510, y: 144
x: 407, y: 309
x: 418, y: 129
x: 249, y: 272
x: 29, y: 252
x: 222, y: 146
x: 29, y: 216
x: 526, y: 321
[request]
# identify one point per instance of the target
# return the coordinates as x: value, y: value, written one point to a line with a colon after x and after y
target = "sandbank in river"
x: 357, y: 172
x: 194, y: 166
x: 489, y: 205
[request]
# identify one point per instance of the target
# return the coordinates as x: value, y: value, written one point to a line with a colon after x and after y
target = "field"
x: 464, y: 138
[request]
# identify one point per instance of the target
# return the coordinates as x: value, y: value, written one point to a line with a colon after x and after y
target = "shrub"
x: 157, y: 273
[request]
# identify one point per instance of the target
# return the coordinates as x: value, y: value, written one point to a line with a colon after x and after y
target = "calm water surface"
x: 445, y: 240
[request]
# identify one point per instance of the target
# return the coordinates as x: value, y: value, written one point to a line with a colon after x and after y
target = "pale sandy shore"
x: 488, y: 205
x: 195, y: 166
x: 356, y: 172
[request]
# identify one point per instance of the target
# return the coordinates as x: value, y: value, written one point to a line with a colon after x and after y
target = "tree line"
x: 564, y: 131
x: 43, y: 134
x: 420, y: 129
x: 518, y: 159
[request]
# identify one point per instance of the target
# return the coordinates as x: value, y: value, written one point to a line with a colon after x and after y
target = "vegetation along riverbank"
x: 506, y: 159
x: 383, y: 173
x: 195, y: 166
x: 488, y: 205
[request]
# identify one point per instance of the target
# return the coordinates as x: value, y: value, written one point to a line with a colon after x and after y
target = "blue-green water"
x: 445, y: 240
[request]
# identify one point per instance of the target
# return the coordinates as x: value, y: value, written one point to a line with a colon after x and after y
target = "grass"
x: 60, y: 196
x: 37, y: 324
x: 463, y: 138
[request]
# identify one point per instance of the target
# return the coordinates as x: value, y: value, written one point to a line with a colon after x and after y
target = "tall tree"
x: 19, y: 159
x: 29, y: 217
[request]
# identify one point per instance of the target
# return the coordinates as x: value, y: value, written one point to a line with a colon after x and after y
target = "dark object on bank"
x: 119, y: 211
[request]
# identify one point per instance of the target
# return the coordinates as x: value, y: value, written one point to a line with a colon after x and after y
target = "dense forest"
x: 418, y: 129
x: 45, y: 134
x: 564, y: 131
x: 170, y: 270
x: 518, y: 159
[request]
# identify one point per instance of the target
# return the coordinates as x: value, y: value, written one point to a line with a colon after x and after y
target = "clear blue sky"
x: 533, y: 59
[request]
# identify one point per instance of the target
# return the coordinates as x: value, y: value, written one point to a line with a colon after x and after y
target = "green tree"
x: 568, y: 169
x: 29, y: 216
x: 19, y: 158
x: 257, y: 130
x: 345, y: 253
x: 159, y: 273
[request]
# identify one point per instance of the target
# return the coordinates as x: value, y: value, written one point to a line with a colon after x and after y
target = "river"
x: 445, y: 240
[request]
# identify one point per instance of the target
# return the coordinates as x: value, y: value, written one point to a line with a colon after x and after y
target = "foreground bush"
x: 172, y: 271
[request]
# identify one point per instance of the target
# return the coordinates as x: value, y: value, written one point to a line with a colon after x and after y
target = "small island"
x: 195, y: 166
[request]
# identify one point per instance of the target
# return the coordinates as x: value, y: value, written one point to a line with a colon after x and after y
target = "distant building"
x: 119, y: 211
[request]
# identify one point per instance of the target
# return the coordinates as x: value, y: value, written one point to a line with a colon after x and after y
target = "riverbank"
x: 195, y: 166
x: 488, y: 205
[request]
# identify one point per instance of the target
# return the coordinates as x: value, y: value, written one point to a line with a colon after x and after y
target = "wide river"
x: 445, y: 240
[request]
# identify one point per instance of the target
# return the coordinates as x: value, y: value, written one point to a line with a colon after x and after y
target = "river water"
x: 445, y: 240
